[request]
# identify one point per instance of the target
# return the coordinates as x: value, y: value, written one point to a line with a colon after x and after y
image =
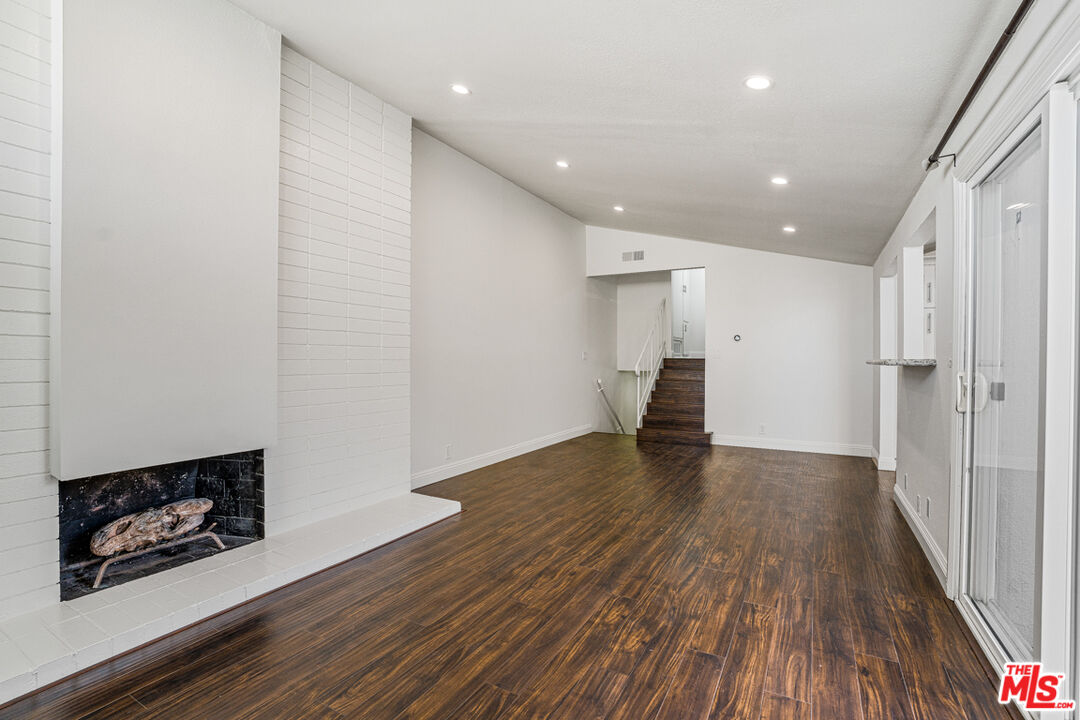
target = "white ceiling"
x: 645, y: 98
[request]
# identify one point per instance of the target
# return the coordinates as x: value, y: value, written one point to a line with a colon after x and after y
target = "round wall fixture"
x: 738, y: 338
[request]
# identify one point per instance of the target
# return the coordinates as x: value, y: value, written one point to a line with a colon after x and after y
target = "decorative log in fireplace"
x: 151, y: 529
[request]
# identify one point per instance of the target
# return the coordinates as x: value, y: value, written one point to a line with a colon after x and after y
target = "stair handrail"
x: 607, y: 403
x: 651, y: 357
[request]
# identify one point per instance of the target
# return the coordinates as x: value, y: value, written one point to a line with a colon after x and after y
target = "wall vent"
x: 633, y: 256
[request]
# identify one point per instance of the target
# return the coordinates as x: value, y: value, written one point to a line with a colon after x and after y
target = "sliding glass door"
x: 1017, y: 387
x: 1006, y: 397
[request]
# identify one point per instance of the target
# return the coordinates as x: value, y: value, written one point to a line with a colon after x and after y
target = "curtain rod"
x: 987, y: 67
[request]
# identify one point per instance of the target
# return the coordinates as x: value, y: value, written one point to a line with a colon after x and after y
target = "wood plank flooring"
x: 591, y: 579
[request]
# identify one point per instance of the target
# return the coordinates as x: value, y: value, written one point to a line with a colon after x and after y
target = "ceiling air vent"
x: 633, y: 256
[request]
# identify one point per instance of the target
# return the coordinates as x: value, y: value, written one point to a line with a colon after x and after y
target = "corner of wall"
x: 459, y: 467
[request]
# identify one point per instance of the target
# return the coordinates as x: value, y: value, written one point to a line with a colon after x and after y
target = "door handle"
x: 980, y: 393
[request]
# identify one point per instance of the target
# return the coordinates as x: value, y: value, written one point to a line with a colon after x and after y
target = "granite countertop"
x: 893, y: 362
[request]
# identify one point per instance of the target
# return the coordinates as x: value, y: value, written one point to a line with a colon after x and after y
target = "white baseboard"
x: 449, y: 470
x: 883, y: 463
x: 922, y: 533
x: 809, y: 446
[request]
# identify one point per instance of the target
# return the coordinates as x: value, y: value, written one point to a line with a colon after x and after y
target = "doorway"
x: 688, y: 313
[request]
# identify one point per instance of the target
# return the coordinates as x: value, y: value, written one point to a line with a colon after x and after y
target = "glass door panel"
x: 1007, y: 397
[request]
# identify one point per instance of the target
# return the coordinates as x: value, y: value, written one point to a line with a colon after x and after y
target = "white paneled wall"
x: 28, y: 507
x: 344, y: 300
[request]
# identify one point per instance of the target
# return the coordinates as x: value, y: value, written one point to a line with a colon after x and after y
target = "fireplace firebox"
x: 234, y: 483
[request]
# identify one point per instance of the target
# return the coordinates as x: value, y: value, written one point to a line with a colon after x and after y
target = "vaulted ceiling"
x: 646, y: 101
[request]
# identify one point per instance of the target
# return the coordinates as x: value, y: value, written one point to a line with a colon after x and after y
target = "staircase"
x: 676, y: 410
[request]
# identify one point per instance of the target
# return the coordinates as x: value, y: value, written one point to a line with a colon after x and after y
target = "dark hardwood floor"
x: 592, y: 579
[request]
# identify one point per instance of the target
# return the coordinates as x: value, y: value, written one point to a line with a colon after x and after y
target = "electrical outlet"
x: 918, y: 502
x: 905, y: 481
x: 927, y: 508
x: 761, y: 430
x: 584, y: 355
x: 446, y: 454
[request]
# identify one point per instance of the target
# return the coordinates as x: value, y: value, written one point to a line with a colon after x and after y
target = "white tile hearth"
x: 42, y: 647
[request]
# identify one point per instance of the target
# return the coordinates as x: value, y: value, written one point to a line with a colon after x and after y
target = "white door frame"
x: 1057, y: 115
x: 888, y: 380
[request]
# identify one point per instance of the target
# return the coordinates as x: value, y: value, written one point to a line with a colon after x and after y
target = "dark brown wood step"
x: 684, y: 385
x: 695, y: 401
x: 661, y: 406
x: 675, y: 422
x: 673, y: 437
x: 677, y: 397
x: 697, y: 363
x: 682, y: 374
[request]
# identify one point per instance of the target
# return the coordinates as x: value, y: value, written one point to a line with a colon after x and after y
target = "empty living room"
x: 508, y: 360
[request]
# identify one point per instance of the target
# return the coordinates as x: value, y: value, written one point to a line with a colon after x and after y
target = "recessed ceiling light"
x: 562, y: 164
x: 1019, y: 206
x: 758, y: 82
x: 460, y: 89
x: 618, y: 208
x: 779, y: 180
x: 789, y: 228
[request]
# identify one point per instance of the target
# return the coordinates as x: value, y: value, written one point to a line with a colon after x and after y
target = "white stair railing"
x: 651, y: 357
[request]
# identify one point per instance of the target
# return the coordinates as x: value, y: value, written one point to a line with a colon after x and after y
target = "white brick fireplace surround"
x: 338, y: 479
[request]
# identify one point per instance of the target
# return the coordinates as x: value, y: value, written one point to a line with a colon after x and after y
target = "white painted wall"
x: 164, y: 321
x: 344, y: 299
x: 806, y: 330
x: 502, y: 314
x: 29, y: 568
x: 639, y: 295
x: 925, y: 396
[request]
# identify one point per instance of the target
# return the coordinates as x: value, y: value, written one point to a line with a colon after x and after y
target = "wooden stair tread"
x: 680, y: 409
x: 670, y: 397
x: 697, y: 363
x: 682, y: 374
x: 697, y: 385
x: 689, y: 395
x: 677, y: 422
x: 679, y: 386
x: 675, y: 408
x: 673, y: 436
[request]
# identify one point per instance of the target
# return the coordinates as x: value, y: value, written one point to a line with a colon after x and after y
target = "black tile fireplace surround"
x: 234, y: 482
